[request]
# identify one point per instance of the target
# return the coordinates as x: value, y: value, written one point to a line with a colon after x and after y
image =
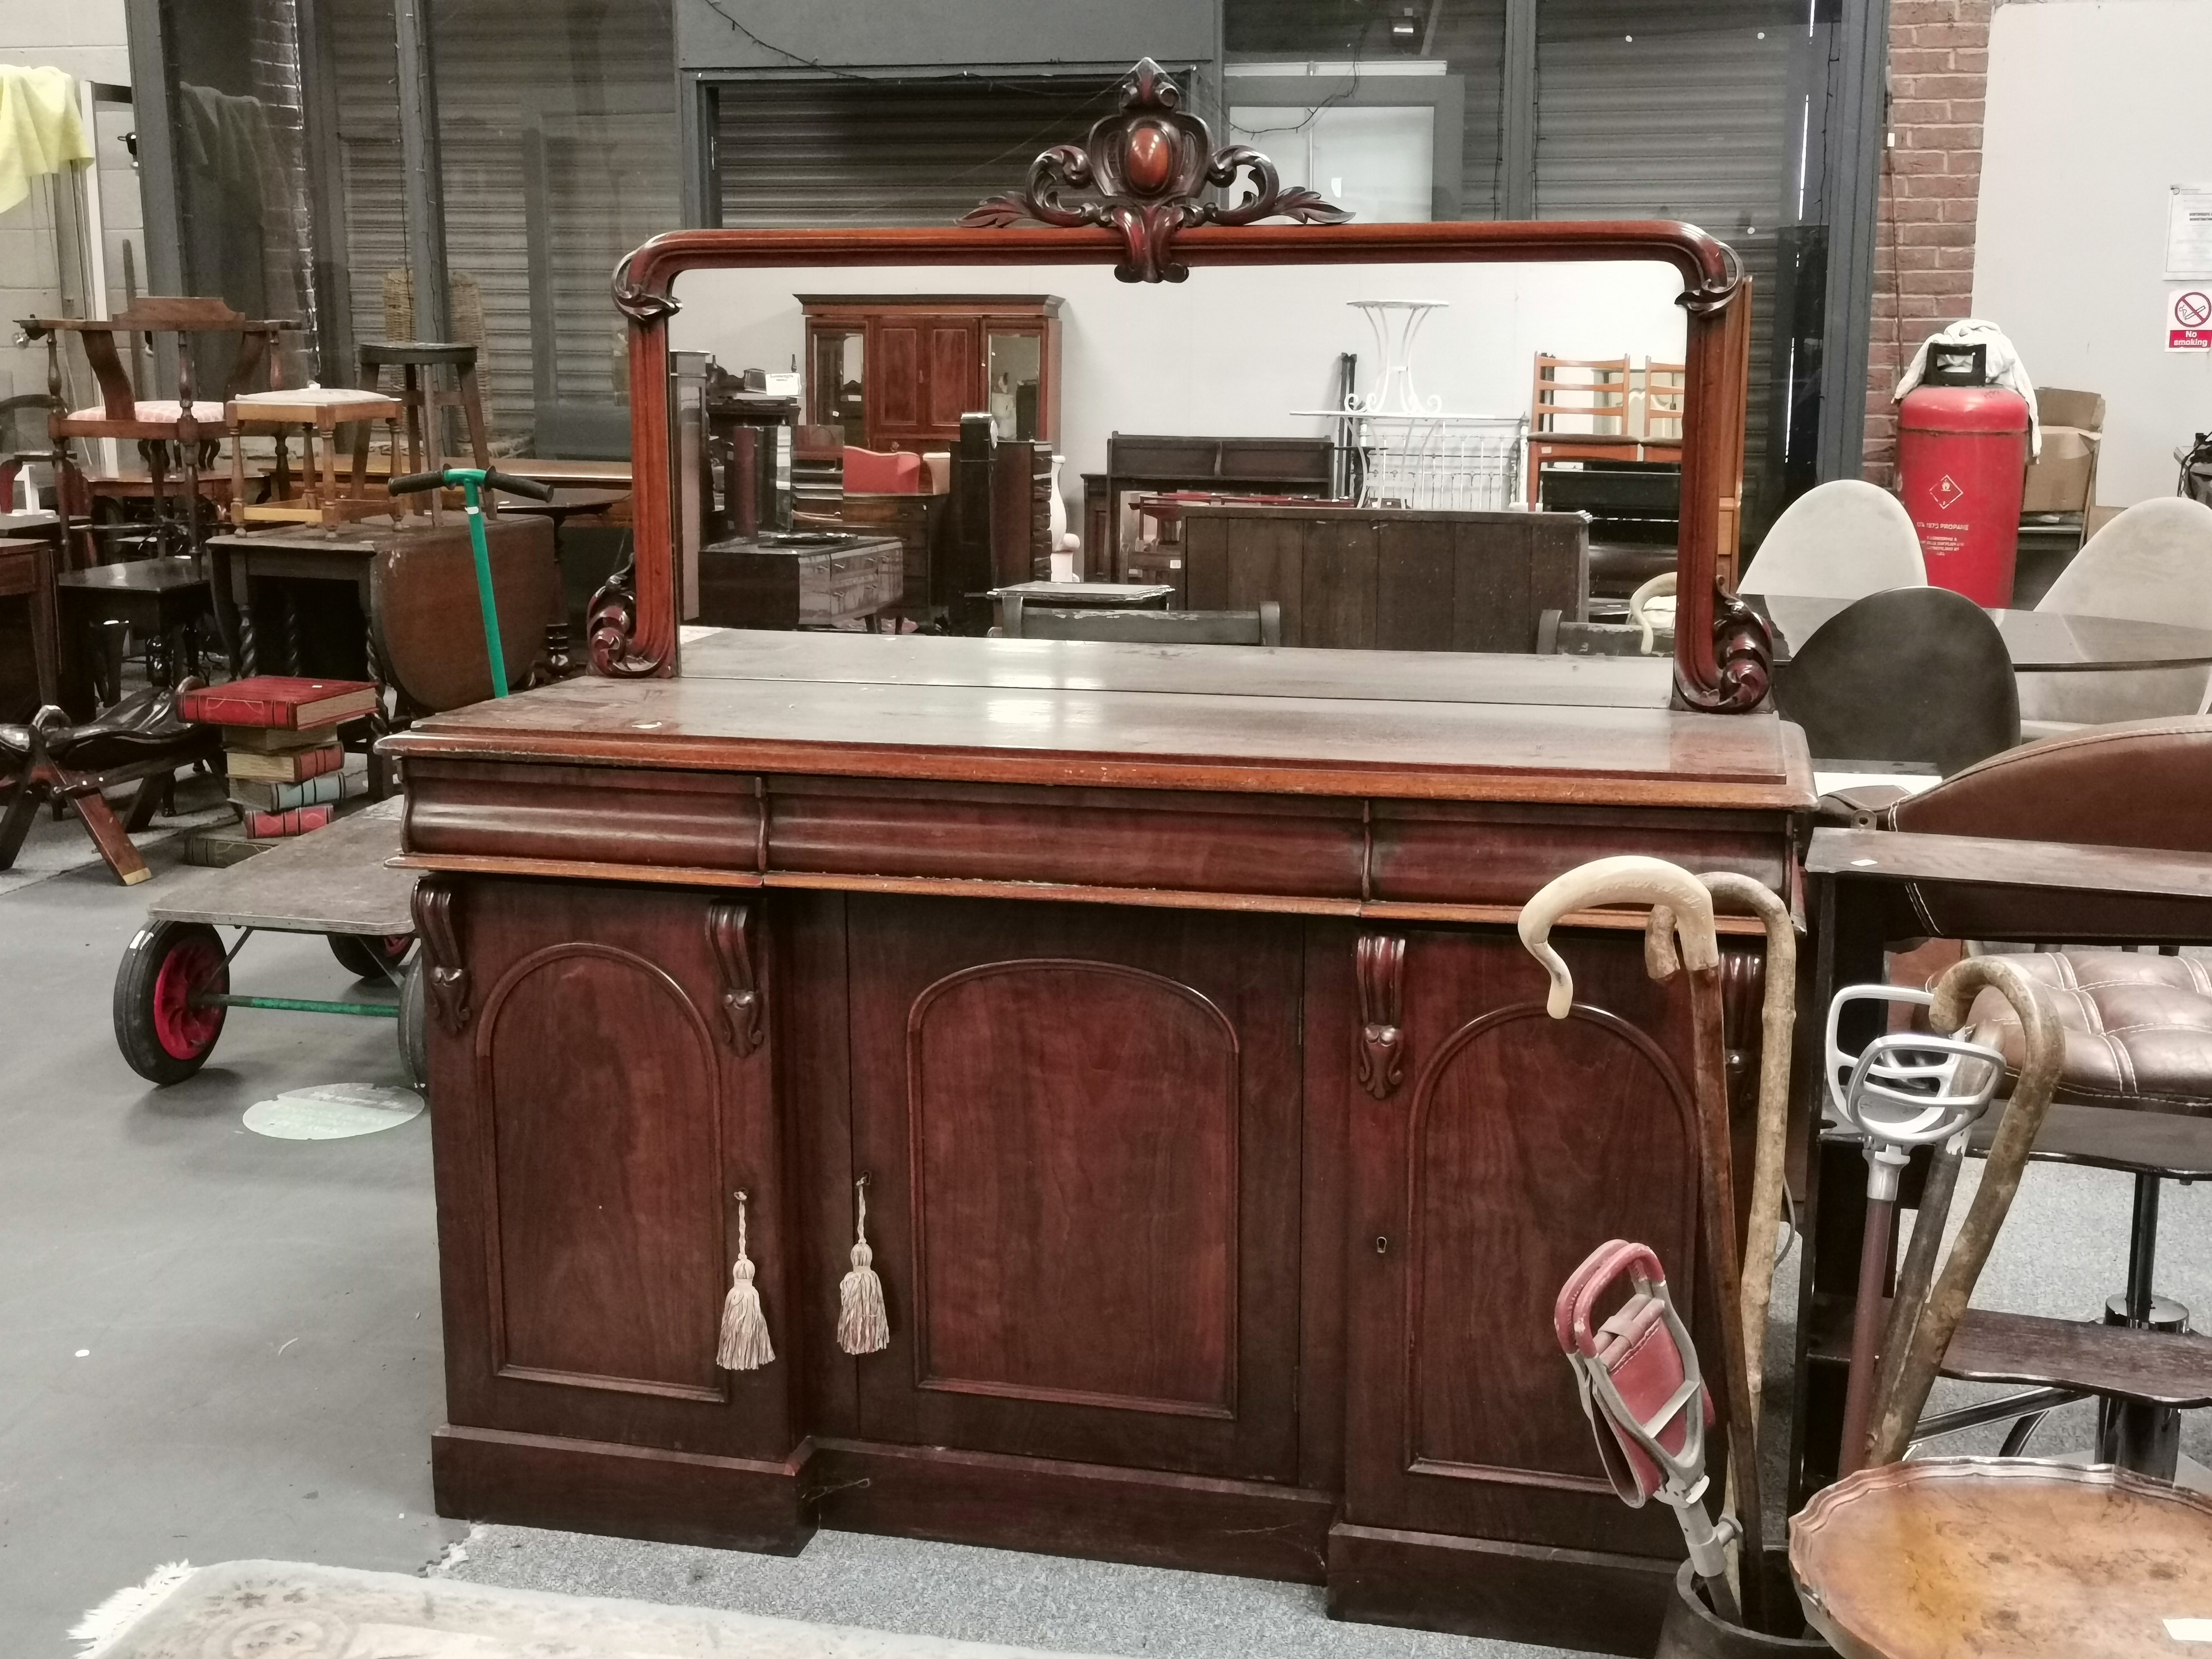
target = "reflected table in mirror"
x: 2039, y: 641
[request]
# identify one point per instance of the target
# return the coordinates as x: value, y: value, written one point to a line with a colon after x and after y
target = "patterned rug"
x: 290, y: 1610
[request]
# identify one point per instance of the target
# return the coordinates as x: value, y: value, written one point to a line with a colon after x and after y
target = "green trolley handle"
x: 474, y: 481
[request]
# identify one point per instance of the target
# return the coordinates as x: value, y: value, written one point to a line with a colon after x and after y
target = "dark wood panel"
x: 632, y: 1492
x: 690, y: 820
x: 1147, y: 1146
x: 1484, y: 853
x: 1325, y: 744
x: 1517, y: 1144
x: 1326, y: 1241
x: 894, y: 369
x: 1142, y: 1515
x: 814, y: 1090
x: 595, y: 1115
x: 597, y: 1075
x: 954, y: 374
x: 1337, y: 580
x: 1413, y: 589
x: 1125, y: 1193
x: 1588, y: 1601
x: 1129, y: 838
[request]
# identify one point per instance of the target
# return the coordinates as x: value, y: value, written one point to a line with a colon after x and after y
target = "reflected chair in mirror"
x: 1261, y: 626
x: 883, y: 472
x: 1915, y: 676
x: 2152, y: 563
x: 180, y: 433
x: 2135, y: 1091
x: 1840, y: 540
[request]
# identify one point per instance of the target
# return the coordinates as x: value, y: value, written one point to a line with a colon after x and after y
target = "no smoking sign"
x: 2188, y: 318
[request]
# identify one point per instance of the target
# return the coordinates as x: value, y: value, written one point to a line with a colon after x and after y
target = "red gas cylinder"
x: 1961, y: 462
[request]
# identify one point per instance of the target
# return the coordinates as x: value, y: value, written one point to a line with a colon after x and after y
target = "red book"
x: 272, y: 700
x: 266, y: 826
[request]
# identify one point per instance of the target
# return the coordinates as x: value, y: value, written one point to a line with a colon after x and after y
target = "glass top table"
x: 2039, y: 641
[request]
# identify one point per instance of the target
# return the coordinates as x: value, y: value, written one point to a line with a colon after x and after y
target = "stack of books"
x: 280, y: 740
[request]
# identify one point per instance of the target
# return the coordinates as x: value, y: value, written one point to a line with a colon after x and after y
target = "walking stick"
x: 1777, y: 1022
x: 1934, y: 1324
x: 1905, y: 1089
x: 1634, y: 879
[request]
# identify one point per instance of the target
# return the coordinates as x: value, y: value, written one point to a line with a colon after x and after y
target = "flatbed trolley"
x: 172, y: 992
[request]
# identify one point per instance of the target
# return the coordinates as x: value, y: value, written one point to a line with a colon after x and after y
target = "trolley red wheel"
x: 161, y: 1031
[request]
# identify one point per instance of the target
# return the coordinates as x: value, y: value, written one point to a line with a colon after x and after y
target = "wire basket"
x: 1461, y: 463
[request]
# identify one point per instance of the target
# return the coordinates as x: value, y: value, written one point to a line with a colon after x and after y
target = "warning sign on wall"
x: 2189, y: 316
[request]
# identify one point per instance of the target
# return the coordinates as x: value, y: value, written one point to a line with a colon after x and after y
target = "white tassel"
x: 862, y: 1325
x: 744, y: 1328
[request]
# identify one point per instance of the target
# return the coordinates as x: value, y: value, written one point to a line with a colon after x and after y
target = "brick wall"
x: 1924, y: 260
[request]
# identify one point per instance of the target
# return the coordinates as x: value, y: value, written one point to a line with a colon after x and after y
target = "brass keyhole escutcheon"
x: 1381, y: 1245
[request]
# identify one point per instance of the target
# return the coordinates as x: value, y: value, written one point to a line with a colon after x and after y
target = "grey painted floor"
x: 261, y: 1317
x: 262, y: 1368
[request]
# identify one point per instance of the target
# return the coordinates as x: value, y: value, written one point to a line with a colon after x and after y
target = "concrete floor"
x: 219, y: 1346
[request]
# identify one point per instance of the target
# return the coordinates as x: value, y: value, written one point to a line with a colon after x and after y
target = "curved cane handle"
x: 1629, y: 879
x: 1929, y: 1328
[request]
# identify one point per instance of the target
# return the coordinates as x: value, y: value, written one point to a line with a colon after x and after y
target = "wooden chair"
x: 1664, y: 388
x: 190, y: 425
x: 1595, y: 389
x: 1263, y: 626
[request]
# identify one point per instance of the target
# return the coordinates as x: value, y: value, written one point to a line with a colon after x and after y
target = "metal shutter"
x: 1677, y: 112
x: 849, y: 152
x: 593, y: 79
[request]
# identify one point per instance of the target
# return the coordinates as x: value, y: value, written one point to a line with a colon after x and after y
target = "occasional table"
x: 2039, y: 641
x: 1971, y: 1557
x: 312, y: 411
x: 163, y: 598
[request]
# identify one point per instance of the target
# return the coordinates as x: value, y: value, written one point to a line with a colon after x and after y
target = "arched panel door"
x: 1081, y: 1130
x: 600, y: 1085
x: 1517, y: 1144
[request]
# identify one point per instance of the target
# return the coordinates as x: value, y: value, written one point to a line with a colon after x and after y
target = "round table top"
x: 1973, y: 1557
x: 2041, y: 641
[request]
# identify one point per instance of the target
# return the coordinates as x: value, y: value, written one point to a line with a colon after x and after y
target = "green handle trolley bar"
x: 473, y: 480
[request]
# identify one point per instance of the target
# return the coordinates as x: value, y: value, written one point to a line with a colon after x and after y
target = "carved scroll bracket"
x: 730, y: 935
x: 444, y: 976
x: 1743, y: 658
x: 1146, y: 170
x: 1380, y: 967
x: 610, y: 628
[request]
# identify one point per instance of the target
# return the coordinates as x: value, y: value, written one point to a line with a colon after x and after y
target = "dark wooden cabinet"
x: 603, y: 1096
x: 898, y: 371
x: 1221, y: 1164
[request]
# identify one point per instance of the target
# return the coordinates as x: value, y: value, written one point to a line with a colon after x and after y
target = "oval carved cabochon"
x: 1091, y: 1111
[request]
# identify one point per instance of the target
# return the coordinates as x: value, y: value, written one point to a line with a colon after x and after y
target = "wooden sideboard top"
x: 1380, y: 724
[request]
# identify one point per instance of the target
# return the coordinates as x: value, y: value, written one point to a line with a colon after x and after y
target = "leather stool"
x: 2135, y: 1094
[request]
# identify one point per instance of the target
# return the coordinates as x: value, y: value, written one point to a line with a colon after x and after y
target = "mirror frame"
x: 1722, y: 655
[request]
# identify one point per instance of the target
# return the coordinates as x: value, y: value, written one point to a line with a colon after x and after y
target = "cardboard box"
x: 2063, y: 480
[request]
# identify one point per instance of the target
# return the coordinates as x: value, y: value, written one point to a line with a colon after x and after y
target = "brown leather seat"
x: 2140, y: 783
x: 2138, y: 1029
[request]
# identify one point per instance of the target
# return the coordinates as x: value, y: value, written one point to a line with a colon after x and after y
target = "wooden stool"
x: 418, y: 361
x: 313, y: 409
x: 1972, y: 1557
